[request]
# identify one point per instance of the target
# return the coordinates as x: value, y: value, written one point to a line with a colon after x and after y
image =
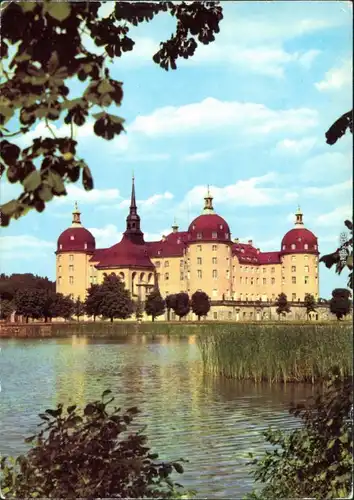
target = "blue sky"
x: 247, y: 115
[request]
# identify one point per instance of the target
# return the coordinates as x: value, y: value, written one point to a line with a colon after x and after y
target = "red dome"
x: 126, y: 254
x: 76, y: 239
x: 303, y: 239
x: 209, y: 227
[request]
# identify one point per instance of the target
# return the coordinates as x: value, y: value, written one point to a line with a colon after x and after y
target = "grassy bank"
x: 288, y: 353
x: 102, y: 329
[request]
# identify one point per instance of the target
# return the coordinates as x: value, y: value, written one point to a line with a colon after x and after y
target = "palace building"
x: 204, y: 257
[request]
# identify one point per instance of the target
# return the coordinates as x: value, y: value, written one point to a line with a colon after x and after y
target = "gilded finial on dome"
x: 76, y: 216
x: 208, y: 205
x: 175, y: 225
x: 298, y: 215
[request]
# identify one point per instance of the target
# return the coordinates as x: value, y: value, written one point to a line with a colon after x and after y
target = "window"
x: 227, y: 274
x: 199, y: 236
x: 244, y: 314
x: 199, y: 247
x: 293, y: 280
x: 215, y: 315
x: 71, y: 280
x: 214, y: 235
x: 167, y: 276
x: 214, y: 260
x: 251, y: 281
x: 273, y: 296
x: 251, y: 314
x: 229, y: 314
x: 246, y: 269
x: 284, y: 247
x: 306, y: 257
x: 306, y: 246
x: 293, y: 296
x: 246, y: 280
x: 215, y: 273
x: 181, y: 276
x: 307, y: 269
x: 71, y: 258
x: 226, y: 236
x: 199, y: 261
x: 241, y: 280
x: 315, y: 247
x: 85, y: 246
x: 215, y: 292
x: 72, y: 237
x: 257, y: 281
x: 60, y: 246
x: 293, y: 269
x: 59, y: 280
x: 307, y: 280
x: 157, y: 263
x: 293, y: 246
x: 181, y: 263
x: 59, y: 269
x: 167, y: 264
x: 264, y: 270
x: 199, y: 273
x: 214, y: 248
x: 273, y: 281
x: 272, y: 270
x: 293, y: 258
x: 264, y: 281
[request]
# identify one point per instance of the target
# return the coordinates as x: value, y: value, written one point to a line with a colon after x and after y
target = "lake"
x: 208, y: 420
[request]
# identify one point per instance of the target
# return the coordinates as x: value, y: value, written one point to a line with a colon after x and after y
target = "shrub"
x: 88, y: 455
x: 316, y: 460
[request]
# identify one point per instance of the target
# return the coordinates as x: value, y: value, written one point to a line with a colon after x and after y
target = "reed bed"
x: 278, y: 353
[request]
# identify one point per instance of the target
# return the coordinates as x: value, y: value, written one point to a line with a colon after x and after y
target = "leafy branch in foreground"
x: 316, y: 460
x: 42, y: 47
x: 89, y: 454
x: 343, y: 257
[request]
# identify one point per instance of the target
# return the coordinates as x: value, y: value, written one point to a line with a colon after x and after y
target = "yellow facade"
x: 219, y: 268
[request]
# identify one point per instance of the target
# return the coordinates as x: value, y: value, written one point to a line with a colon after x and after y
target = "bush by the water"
x: 278, y: 352
x: 89, y: 455
x: 315, y: 461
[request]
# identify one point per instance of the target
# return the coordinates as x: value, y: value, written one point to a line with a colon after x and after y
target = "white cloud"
x: 308, y: 57
x: 24, y: 247
x: 196, y: 157
x: 210, y: 114
x: 296, y: 146
x: 78, y: 194
x: 251, y: 192
x: 337, y: 78
x: 334, y: 191
x: 336, y: 217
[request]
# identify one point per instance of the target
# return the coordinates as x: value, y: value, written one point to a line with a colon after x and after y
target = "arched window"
x: 284, y: 247
x: 306, y: 246
x: 293, y: 246
x: 199, y: 236
x: 214, y: 235
x: 72, y: 237
x: 215, y: 273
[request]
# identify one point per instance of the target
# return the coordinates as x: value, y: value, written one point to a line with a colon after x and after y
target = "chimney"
x: 236, y: 240
x: 258, y: 250
x: 250, y: 242
x: 163, y: 237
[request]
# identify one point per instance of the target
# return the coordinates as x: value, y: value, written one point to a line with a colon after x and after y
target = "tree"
x: 138, y: 309
x: 62, y: 306
x: 79, y: 308
x: 154, y: 304
x: 27, y: 304
x: 93, y: 301
x: 200, y: 304
x: 9, y: 285
x: 170, y: 304
x: 343, y: 257
x: 116, y: 301
x: 339, y: 128
x: 42, y: 48
x: 282, y: 305
x: 90, y: 453
x: 6, y: 309
x: 340, y: 302
x: 316, y: 459
x: 309, y: 304
x: 182, y: 305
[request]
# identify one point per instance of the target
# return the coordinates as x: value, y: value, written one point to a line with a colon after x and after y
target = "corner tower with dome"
x: 233, y: 273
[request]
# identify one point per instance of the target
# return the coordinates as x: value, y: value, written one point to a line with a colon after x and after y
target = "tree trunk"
x: 45, y: 319
x: 152, y: 318
x: 94, y: 318
x: 198, y: 318
x: 180, y: 318
x: 26, y: 319
x: 111, y: 320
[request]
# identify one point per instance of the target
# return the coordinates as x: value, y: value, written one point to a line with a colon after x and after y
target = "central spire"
x: 76, y: 221
x: 208, y: 205
x: 133, y: 232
